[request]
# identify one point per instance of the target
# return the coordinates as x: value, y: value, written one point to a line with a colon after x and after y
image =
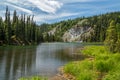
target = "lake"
x: 43, y: 60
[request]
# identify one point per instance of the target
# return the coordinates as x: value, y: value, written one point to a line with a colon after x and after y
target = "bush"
x: 86, y: 75
x: 104, y: 66
x: 94, y: 50
x: 80, y: 69
x: 112, y: 76
x: 72, y: 68
x: 33, y: 78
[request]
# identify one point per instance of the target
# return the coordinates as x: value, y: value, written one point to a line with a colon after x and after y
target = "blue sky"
x: 50, y: 11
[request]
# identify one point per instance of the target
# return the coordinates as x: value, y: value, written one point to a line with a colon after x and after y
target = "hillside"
x: 84, y: 29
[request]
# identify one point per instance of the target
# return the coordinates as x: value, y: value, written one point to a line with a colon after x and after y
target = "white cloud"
x: 20, y: 2
x: 20, y: 8
x: 49, y: 6
x: 44, y: 18
x: 13, y: 1
x: 71, y: 1
x: 58, y: 9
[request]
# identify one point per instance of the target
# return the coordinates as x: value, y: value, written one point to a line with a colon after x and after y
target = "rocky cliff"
x: 77, y: 34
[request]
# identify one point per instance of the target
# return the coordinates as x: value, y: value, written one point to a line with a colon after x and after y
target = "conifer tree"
x: 111, y: 37
x: 118, y: 37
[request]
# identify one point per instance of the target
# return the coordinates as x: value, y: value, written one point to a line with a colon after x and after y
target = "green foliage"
x: 94, y: 50
x: 33, y: 78
x: 118, y: 37
x: 81, y: 70
x: 113, y: 76
x: 85, y: 75
x: 111, y: 38
x: 104, y: 65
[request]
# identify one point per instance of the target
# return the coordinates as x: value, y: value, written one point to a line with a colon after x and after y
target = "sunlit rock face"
x: 52, y: 32
x: 75, y: 34
x: 80, y: 32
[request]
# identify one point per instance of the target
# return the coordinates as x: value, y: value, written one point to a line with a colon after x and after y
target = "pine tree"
x: 118, y: 37
x: 111, y: 37
x: 2, y: 35
x: 14, y: 22
x: 9, y: 29
x: 6, y: 24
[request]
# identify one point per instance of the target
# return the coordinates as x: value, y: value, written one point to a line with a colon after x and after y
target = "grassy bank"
x: 102, y: 65
x: 33, y: 78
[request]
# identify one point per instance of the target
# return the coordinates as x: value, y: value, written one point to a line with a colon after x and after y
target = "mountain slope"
x: 86, y: 29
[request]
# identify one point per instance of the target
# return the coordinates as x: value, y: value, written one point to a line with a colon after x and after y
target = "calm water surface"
x: 44, y: 60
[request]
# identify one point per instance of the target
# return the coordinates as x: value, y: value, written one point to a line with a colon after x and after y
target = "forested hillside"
x: 86, y: 29
x: 23, y: 30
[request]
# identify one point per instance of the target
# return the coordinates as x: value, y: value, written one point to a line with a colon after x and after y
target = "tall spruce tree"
x: 118, y: 37
x: 111, y: 37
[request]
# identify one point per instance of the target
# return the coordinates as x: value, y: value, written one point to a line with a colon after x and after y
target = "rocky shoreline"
x: 62, y: 75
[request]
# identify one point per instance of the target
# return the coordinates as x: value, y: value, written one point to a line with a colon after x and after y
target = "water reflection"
x: 15, y: 62
x: 50, y: 56
x: 42, y: 60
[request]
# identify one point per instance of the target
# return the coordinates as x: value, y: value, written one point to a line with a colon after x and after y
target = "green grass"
x: 33, y: 78
x: 103, y: 65
x: 92, y: 43
x: 80, y: 70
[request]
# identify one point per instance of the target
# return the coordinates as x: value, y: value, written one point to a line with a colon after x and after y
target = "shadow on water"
x: 43, y: 60
x: 15, y: 62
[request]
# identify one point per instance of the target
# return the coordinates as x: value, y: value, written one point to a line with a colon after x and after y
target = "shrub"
x: 94, y: 50
x: 79, y: 68
x: 86, y: 75
x: 72, y: 68
x: 104, y: 65
x: 112, y: 76
x: 33, y: 78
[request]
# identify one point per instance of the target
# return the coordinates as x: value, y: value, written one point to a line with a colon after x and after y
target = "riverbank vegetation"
x: 112, y: 40
x: 101, y: 65
x: 33, y: 78
x: 103, y: 62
